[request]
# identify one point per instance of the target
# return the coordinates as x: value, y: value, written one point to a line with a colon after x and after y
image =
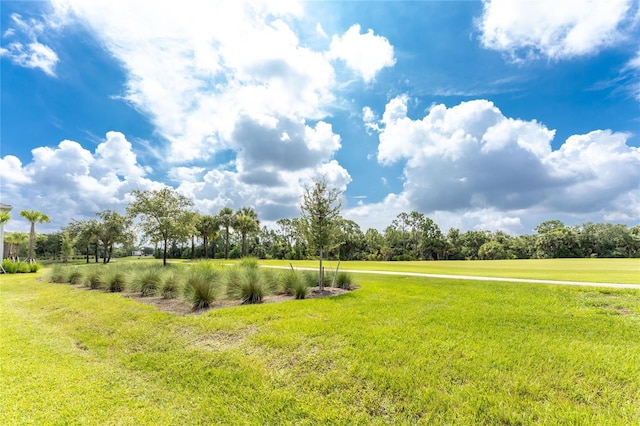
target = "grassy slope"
x: 399, y: 350
x: 595, y: 270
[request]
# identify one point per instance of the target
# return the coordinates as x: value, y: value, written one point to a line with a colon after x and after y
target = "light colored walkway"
x: 477, y: 278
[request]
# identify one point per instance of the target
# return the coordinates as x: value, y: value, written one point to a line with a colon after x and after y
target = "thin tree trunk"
x: 321, y: 274
x: 32, y: 236
x: 164, y: 255
x: 193, y: 247
x: 226, y: 243
x: 205, y: 244
x: 244, y: 245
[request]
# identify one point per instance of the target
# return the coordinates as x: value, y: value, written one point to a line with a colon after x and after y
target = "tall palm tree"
x: 208, y: 228
x: 246, y: 222
x: 33, y: 217
x: 225, y: 218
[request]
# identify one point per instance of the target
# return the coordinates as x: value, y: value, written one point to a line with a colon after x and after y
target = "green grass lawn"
x: 625, y: 271
x: 399, y: 350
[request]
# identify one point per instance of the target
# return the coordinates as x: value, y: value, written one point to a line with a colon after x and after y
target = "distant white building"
x: 4, y: 208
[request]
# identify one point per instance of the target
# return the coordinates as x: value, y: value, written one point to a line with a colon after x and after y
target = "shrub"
x: 201, y: 286
x: 149, y: 282
x: 9, y: 266
x: 248, y: 284
x: 344, y: 280
x: 402, y: 258
x: 34, y: 267
x: 23, y: 268
x: 116, y: 282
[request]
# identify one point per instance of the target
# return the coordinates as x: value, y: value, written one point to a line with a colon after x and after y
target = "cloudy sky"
x: 482, y: 115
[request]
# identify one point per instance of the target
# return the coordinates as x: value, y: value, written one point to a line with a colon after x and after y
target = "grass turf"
x: 625, y: 271
x: 398, y: 350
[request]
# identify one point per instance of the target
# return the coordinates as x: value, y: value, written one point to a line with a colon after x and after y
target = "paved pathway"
x: 477, y: 278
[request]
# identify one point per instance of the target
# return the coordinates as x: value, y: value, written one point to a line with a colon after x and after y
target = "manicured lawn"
x: 400, y: 350
x: 595, y: 270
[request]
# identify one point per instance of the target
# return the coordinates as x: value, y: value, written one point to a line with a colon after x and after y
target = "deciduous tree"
x: 113, y: 228
x: 163, y: 214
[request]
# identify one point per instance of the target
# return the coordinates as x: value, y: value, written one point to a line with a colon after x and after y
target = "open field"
x: 593, y: 270
x: 625, y: 271
x: 398, y: 350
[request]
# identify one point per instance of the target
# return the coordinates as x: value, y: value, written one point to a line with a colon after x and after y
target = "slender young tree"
x: 320, y: 210
x: 33, y: 217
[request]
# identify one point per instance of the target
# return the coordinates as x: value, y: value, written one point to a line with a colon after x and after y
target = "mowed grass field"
x: 399, y: 350
x: 625, y: 271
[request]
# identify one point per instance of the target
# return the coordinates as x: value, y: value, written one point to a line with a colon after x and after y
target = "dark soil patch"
x: 183, y: 307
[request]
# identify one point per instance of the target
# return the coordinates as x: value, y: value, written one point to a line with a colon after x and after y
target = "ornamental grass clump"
x: 344, y: 280
x: 148, y: 282
x: 287, y: 281
x: 116, y: 282
x: 171, y: 286
x: 294, y: 284
x: 312, y: 278
x: 201, y: 286
x: 249, y: 284
x: 75, y: 277
x: 58, y: 274
x: 95, y: 279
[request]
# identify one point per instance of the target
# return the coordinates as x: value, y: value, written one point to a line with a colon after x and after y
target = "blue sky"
x: 481, y: 115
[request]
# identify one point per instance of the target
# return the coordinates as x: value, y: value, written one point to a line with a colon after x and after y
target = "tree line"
x: 172, y: 229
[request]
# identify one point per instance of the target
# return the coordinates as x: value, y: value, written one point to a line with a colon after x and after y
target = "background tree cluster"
x: 172, y: 230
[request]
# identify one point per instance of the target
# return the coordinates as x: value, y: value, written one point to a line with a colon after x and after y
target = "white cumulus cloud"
x: 471, y: 158
x: 556, y: 30
x: 69, y: 181
x: 365, y: 54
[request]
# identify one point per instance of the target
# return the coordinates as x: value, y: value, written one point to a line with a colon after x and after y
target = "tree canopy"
x: 163, y: 215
